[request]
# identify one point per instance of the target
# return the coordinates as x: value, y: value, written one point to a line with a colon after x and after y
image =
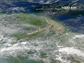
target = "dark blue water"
x: 75, y: 24
x: 17, y: 7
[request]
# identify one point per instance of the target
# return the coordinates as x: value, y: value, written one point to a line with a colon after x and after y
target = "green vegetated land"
x: 29, y: 19
x: 34, y: 22
x: 32, y: 19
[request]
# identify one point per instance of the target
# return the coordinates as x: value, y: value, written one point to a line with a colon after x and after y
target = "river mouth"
x: 48, y: 47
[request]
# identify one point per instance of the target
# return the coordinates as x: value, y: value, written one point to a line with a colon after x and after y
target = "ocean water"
x: 75, y: 24
x: 65, y: 48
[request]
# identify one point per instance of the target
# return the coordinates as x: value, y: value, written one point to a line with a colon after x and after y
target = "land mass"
x: 55, y: 27
x: 31, y: 25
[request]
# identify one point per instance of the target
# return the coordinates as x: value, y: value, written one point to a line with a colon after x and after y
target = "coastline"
x: 57, y: 25
x: 51, y: 24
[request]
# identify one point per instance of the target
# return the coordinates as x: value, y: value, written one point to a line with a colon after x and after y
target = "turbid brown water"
x: 55, y: 27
